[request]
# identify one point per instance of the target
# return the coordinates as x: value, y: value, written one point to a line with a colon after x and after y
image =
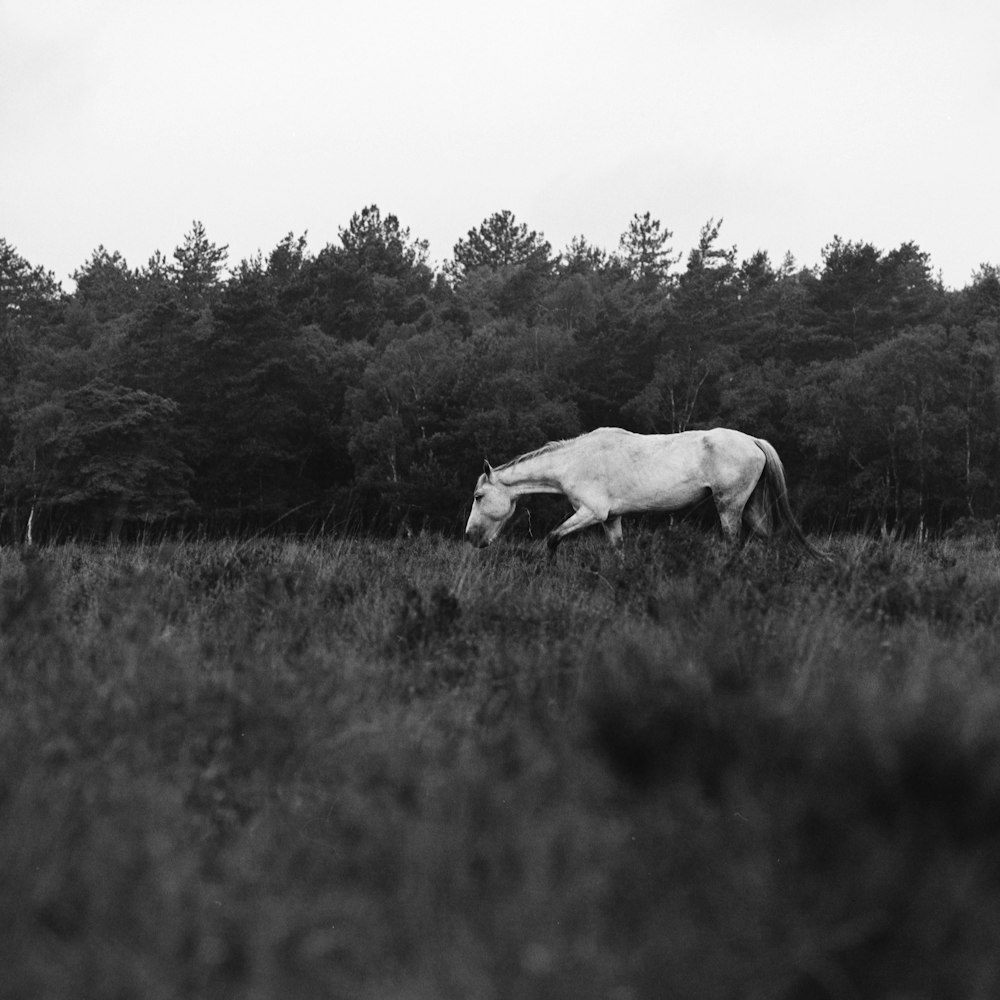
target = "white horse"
x: 610, y: 472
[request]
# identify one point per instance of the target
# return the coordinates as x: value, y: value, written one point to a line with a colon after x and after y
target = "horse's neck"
x: 541, y: 474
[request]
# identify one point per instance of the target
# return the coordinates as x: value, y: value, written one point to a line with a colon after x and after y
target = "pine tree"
x: 644, y: 252
x: 198, y: 268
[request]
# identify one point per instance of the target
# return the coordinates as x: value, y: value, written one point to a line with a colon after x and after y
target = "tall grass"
x: 405, y: 769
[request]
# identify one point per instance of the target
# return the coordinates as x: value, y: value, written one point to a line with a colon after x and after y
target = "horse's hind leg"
x: 757, y: 513
x: 732, y: 509
x: 730, y: 518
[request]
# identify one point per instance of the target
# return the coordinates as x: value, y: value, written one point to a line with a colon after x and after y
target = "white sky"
x: 123, y: 121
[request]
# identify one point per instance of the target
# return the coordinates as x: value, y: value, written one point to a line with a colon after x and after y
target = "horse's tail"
x: 774, y: 472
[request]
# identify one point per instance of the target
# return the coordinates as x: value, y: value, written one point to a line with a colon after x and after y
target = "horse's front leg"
x: 613, y: 533
x: 583, y: 518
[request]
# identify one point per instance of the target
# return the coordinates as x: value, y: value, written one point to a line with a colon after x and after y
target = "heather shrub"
x: 404, y: 768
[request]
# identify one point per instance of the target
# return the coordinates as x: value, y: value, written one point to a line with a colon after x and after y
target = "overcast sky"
x: 123, y: 121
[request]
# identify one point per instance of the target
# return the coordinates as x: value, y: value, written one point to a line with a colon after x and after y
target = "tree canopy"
x: 357, y: 386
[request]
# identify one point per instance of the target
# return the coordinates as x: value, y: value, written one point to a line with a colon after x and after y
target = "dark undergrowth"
x: 352, y: 768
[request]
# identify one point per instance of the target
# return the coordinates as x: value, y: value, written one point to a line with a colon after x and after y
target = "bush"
x: 407, y: 768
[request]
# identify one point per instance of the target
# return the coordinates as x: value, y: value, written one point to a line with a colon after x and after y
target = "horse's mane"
x: 544, y: 450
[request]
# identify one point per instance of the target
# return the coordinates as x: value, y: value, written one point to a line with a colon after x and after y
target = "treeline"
x: 358, y: 386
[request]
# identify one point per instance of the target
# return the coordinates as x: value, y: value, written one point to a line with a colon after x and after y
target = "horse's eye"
x: 478, y: 497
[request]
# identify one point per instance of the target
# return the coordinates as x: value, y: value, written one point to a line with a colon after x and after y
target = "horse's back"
x: 698, y: 448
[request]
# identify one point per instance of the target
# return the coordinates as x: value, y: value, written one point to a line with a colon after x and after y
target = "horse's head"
x: 491, y: 509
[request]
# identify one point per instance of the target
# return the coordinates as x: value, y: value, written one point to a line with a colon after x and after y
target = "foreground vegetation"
x: 404, y: 769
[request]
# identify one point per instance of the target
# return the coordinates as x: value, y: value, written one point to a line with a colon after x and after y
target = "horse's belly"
x: 659, y: 495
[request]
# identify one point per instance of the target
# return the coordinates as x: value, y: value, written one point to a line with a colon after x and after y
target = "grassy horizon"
x: 349, y: 767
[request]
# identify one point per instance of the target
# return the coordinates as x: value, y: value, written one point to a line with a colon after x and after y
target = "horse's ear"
x: 488, y: 470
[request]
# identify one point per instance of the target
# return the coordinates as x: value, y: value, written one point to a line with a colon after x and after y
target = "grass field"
x: 402, y: 769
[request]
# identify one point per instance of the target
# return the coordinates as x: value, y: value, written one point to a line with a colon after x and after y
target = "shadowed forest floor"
x: 358, y: 768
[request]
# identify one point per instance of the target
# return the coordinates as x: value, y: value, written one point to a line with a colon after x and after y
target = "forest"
x: 359, y: 388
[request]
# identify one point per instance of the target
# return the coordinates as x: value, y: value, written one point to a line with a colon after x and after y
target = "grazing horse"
x: 610, y: 472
